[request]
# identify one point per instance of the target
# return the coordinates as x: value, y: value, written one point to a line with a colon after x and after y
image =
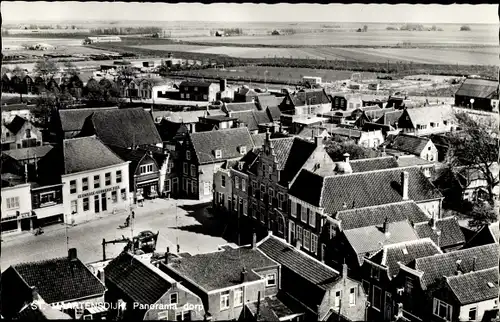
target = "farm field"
x: 481, y: 37
x: 278, y: 73
x: 462, y: 56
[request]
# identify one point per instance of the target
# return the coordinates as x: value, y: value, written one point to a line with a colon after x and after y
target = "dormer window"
x: 188, y: 155
x: 243, y: 150
x: 218, y: 154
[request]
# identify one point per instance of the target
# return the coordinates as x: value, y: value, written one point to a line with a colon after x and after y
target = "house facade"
x: 47, y: 203
x: 306, y: 102
x: 479, y: 94
x: 17, y: 213
x: 419, y: 146
x: 198, y: 91
x: 427, y: 120
x: 22, y: 134
x: 367, y: 139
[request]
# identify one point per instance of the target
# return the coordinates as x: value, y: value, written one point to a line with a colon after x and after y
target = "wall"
x: 371, y: 139
x: 481, y: 307
x: 187, y: 301
x: 90, y: 214
x: 354, y: 312
x: 431, y: 208
x: 207, y: 178
x: 35, y: 134
x: 23, y: 191
x: 430, y: 152
x: 296, y: 218
x: 226, y: 191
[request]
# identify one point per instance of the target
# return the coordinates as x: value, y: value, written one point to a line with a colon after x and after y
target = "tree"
x: 45, y: 68
x: 476, y: 147
x: 337, y: 147
x: 482, y: 213
x: 70, y: 69
x: 6, y: 70
x: 365, y: 28
x: 19, y: 84
x: 465, y: 28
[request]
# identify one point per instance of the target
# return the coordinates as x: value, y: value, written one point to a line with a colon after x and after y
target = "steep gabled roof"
x: 363, y: 189
x: 73, y: 119
x: 390, y: 118
x: 480, y: 88
x: 124, y: 127
x: 228, y: 141
x: 291, y: 154
x: 27, y: 153
x: 449, y: 228
x: 240, y: 107
x: 87, y: 153
x: 437, y: 266
x: 408, y: 143
x: 60, y: 280
x: 135, y: 279
x: 311, y: 97
x: 133, y: 155
x: 252, y: 118
x: 351, y: 133
x: 475, y: 287
x: 221, y: 269
x: 195, y: 83
x: 376, y: 215
x: 426, y: 115
x: 268, y: 101
x: 405, y: 252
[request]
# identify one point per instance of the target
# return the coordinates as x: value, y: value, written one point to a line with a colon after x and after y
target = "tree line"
x: 126, y: 30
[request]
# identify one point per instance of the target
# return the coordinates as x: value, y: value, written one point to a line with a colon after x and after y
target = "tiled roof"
x: 451, y: 234
x: 60, y: 280
x: 266, y: 101
x: 291, y: 154
x: 363, y: 189
x: 17, y: 107
x: 248, y: 160
x: 258, y: 139
x: 412, y: 160
x: 274, y: 113
x: 390, y: 118
x: 437, y: 266
x: 368, y: 240
x: 301, y: 269
x: 170, y: 130
x: 363, y: 165
x: 16, y: 124
x: 408, y: 143
x: 311, y: 97
x: 135, y: 279
x: 480, y: 88
x: 252, y: 119
x: 376, y: 113
x: 275, y: 307
x: 370, y: 216
x: 27, y: 153
x: 239, y: 107
x: 288, y: 256
x: 80, y: 154
x: 222, y: 269
x: 405, y: 252
x: 186, y: 116
x: 73, y: 119
x: 351, y: 133
x: 475, y: 287
x: 132, y: 155
x: 425, y: 115
x: 228, y: 141
x: 309, y: 132
x: 125, y: 127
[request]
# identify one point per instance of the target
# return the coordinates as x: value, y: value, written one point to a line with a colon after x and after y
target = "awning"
x: 148, y: 182
x: 96, y: 309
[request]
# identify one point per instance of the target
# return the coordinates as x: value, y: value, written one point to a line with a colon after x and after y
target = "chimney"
x: 474, y: 260
x: 383, y: 151
x: 268, y: 135
x: 344, y: 270
x: 244, y: 275
x: 100, y: 275
x: 298, y: 244
x: 346, y: 157
x: 385, y: 225
x: 223, y: 83
x: 404, y: 184
x: 254, y: 240
x: 317, y: 140
x: 72, y: 254
x: 167, y: 255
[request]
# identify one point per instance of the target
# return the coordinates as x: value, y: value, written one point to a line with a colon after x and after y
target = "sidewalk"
x: 154, y: 205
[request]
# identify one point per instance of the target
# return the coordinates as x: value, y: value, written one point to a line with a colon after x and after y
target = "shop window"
x: 74, y: 206
x: 47, y: 198
x: 124, y: 194
x: 114, y: 196
x: 86, y: 204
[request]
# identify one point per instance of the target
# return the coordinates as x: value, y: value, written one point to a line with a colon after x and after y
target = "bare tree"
x: 476, y: 147
x: 45, y: 68
x: 70, y: 69
x: 481, y: 214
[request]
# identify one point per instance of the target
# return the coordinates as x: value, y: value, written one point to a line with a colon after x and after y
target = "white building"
x: 17, y: 214
x: 95, y: 180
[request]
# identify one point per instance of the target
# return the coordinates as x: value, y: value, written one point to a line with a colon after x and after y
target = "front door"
x: 104, y: 202
x: 388, y: 307
x: 96, y: 204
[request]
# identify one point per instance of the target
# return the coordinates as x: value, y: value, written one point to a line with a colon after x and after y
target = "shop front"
x: 146, y: 190
x: 48, y: 204
x: 18, y: 222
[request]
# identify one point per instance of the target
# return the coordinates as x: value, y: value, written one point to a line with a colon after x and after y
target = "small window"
x: 173, y: 298
x: 218, y: 154
x: 107, y: 177
x: 114, y: 196
x: 473, y: 314
x: 223, y: 181
x: 271, y: 280
x: 163, y: 315
x: 238, y: 297
x: 243, y: 184
x: 352, y: 296
x: 28, y: 133
x: 224, y: 300
x: 185, y: 168
x: 243, y: 150
x: 237, y: 182
x: 338, y: 295
x: 193, y: 170
x: 123, y: 192
x: 72, y: 186
x: 375, y: 273
x: 118, y: 176
x: 74, y: 206
x: 13, y: 203
x: 188, y: 155
x: 97, y: 181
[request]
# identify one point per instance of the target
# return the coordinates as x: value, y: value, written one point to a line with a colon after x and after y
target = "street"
x: 188, y: 224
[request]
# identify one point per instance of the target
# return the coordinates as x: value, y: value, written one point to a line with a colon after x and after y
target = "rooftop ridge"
x: 81, y: 138
x: 411, y: 242
x: 378, y: 206
x: 457, y: 252
x: 377, y: 158
x: 43, y: 261
x: 88, y: 108
x: 399, y: 169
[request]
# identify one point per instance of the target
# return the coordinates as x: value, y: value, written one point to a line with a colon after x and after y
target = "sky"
x: 225, y: 12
